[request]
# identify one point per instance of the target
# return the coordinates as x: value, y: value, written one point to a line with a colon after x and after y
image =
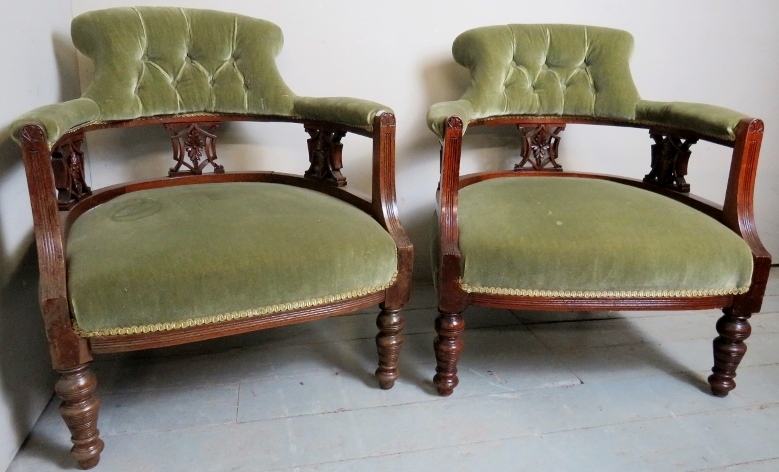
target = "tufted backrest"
x: 157, y: 60
x: 548, y: 70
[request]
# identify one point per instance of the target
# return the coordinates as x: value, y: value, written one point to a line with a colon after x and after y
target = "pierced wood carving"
x: 670, y: 156
x: 67, y: 162
x: 325, y: 155
x: 539, y: 147
x: 193, y: 149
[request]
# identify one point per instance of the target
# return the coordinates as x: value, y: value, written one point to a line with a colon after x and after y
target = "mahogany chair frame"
x: 71, y: 354
x: 736, y: 213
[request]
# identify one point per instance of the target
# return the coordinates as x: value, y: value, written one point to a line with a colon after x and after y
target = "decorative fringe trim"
x: 603, y: 294
x: 267, y: 310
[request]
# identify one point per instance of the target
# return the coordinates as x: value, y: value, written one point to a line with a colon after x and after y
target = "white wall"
x: 39, y: 67
x: 398, y: 53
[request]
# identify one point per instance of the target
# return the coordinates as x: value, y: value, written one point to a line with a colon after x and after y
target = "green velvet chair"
x: 202, y: 252
x: 537, y: 238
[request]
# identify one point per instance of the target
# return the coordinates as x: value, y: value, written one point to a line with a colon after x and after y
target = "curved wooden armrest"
x: 451, y: 146
x: 384, y: 200
x: 738, y: 210
x: 66, y: 348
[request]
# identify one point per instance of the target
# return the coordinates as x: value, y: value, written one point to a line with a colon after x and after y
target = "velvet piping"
x: 518, y: 292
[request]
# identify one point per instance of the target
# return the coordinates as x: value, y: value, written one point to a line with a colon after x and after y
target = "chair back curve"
x: 536, y: 69
x: 159, y: 60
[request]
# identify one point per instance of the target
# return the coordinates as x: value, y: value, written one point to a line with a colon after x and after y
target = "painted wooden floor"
x: 538, y: 391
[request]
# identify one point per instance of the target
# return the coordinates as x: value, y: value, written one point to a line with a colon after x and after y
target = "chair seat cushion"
x: 579, y: 237
x: 175, y: 257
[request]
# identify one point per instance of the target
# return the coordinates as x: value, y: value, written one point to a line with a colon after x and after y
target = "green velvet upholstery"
x: 210, y: 252
x: 151, y: 61
x: 709, y: 120
x: 160, y: 61
x: 564, y: 236
x: 562, y: 70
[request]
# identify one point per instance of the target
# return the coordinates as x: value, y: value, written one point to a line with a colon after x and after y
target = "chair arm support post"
x: 66, y: 348
x: 451, y: 147
x: 385, y: 208
x: 738, y: 210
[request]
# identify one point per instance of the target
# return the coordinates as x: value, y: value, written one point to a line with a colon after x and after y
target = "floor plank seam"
x: 735, y: 464
x: 530, y: 435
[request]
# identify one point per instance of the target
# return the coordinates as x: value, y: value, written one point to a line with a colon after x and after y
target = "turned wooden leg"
x: 447, y: 351
x: 729, y: 349
x: 388, y: 343
x: 76, y: 388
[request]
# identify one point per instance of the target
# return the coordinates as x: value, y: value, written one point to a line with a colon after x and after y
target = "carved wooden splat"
x: 67, y: 162
x: 539, y: 147
x: 670, y: 156
x: 193, y: 148
x: 325, y: 155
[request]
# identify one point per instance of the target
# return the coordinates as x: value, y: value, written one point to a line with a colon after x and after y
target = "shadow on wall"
x: 65, y: 56
x: 26, y: 381
x: 26, y: 377
x: 418, y: 156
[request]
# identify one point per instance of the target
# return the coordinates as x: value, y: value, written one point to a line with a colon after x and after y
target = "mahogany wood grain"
x: 452, y: 298
x: 67, y: 349
x: 388, y: 343
x: 134, y: 342
x: 76, y: 387
x: 598, y: 304
x: 447, y: 346
x: 729, y: 350
x: 385, y: 206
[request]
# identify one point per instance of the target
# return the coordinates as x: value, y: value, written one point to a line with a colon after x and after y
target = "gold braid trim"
x: 266, y: 310
x: 603, y: 294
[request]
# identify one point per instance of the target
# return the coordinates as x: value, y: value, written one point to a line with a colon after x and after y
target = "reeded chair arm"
x: 57, y: 119
x: 708, y: 120
x: 342, y: 110
x: 448, y: 251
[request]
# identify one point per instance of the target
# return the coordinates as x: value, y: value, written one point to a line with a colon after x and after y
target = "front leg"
x: 388, y: 343
x: 448, y: 345
x: 76, y: 388
x: 729, y: 349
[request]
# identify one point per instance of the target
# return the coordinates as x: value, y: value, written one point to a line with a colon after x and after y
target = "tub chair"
x: 202, y: 252
x: 538, y: 238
